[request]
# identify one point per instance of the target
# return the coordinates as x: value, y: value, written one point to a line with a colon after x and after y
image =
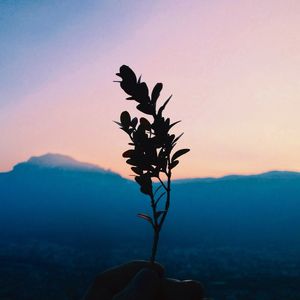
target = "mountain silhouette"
x: 56, y: 196
x: 58, y: 161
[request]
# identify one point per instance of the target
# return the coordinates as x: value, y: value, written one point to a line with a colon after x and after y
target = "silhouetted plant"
x: 151, y: 155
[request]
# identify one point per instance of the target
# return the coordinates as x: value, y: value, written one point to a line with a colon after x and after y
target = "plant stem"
x: 154, y: 246
x: 158, y: 225
x: 167, y: 205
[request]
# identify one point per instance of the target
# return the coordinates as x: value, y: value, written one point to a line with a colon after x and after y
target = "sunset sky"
x: 233, y: 68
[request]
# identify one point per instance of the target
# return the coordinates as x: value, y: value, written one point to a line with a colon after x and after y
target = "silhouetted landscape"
x: 149, y: 150
x: 63, y: 221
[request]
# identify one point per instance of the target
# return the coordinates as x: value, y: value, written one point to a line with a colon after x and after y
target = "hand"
x: 141, y: 280
x: 115, y: 280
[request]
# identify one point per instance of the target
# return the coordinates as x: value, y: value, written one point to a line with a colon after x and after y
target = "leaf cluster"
x: 150, y: 136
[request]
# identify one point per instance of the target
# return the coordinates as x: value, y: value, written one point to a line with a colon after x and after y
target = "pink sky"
x: 233, y: 68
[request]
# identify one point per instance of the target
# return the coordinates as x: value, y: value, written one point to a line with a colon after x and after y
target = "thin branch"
x: 168, y: 189
x: 155, y: 225
x: 162, y: 183
x: 157, y: 200
x: 157, y: 189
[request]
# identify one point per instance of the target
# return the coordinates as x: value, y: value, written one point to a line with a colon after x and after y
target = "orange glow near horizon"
x: 233, y: 69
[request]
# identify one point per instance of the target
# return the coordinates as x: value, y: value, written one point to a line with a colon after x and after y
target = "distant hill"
x: 58, y: 162
x: 56, y: 196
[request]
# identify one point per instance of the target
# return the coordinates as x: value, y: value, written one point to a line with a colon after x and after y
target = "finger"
x: 145, y: 285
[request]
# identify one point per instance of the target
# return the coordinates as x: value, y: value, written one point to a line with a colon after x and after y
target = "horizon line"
x: 129, y: 177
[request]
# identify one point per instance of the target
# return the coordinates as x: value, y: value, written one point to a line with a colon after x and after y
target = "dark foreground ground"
x: 35, y: 269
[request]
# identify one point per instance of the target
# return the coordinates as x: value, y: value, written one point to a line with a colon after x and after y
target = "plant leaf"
x: 145, y: 123
x: 118, y: 123
x: 174, y: 164
x: 164, y: 106
x: 137, y: 170
x: 128, y: 153
x: 134, y: 122
x: 125, y: 118
x: 145, y: 217
x: 145, y: 183
x: 132, y: 162
x: 177, y: 138
x: 179, y: 153
x: 156, y: 92
x: 173, y: 124
x: 126, y: 72
x: 145, y: 108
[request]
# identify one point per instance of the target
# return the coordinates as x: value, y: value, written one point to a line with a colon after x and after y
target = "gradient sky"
x: 233, y: 68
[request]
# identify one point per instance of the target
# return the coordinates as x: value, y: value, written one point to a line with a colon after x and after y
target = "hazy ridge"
x: 55, y: 191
